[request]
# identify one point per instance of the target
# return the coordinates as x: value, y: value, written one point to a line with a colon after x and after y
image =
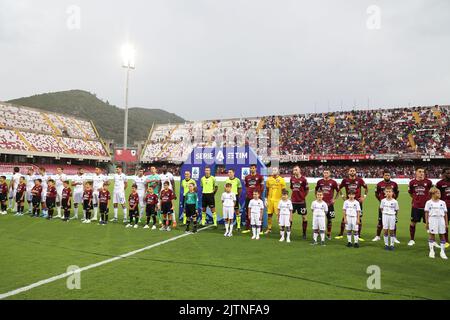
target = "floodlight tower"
x: 128, y: 56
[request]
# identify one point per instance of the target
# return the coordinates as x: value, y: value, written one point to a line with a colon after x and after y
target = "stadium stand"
x: 25, y: 131
x: 7, y: 168
x: 402, y: 133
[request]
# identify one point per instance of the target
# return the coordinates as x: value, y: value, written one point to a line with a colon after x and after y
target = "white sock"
x: 9, y: 203
x: 141, y: 212
x: 315, y: 235
x: 116, y: 211
x: 282, y: 234
x: 58, y: 209
x: 95, y: 213
x: 322, y: 236
x: 288, y: 233
x: 124, y: 213
x: 258, y: 230
x: 84, y: 214
x: 227, y: 227
x: 15, y: 207
x: 386, y: 240
x: 349, y: 237
x: 443, y: 247
x: 254, y: 231
x: 356, y: 236
x: 29, y: 207
x: 431, y: 245
x: 392, y: 241
x: 231, y: 227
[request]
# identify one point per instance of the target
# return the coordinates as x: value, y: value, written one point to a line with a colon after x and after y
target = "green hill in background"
x: 108, y: 119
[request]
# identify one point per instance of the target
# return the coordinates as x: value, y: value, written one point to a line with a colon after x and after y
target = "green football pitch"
x: 207, y: 265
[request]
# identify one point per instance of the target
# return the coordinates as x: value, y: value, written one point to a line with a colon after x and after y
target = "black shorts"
x: 191, y: 210
x: 86, y: 205
x: 300, y: 208
x: 237, y: 205
x: 50, y: 203
x: 208, y: 200
x: 65, y: 204
x: 330, y: 213
x: 133, y: 213
x: 166, y: 207
x: 380, y: 216
x: 150, y: 210
x: 36, y: 201
x: 19, y: 197
x: 103, y: 207
x: 2, y: 197
x: 417, y: 215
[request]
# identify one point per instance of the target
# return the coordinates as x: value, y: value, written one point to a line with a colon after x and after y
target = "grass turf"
x: 209, y: 266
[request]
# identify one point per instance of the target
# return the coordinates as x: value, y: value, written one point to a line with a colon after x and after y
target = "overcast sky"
x: 206, y: 59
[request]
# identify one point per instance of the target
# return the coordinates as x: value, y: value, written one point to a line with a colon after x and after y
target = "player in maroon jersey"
x: 353, y: 183
x: 444, y: 186
x: 133, y: 208
x: 66, y: 196
x: 20, y: 196
x: 50, y: 198
x: 419, y: 190
x: 330, y: 191
x: 88, y: 195
x: 104, y: 197
x: 379, y: 194
x: 3, y: 194
x: 300, y: 190
x: 151, y: 207
x: 36, y: 193
x: 253, y: 182
x: 167, y: 196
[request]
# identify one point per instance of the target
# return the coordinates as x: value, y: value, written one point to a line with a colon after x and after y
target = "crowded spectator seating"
x: 7, y: 168
x: 34, y: 132
x: 418, y: 131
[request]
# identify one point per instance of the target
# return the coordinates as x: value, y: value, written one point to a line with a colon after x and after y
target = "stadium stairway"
x: 51, y: 124
x: 417, y: 117
x: 412, y: 142
x: 28, y: 144
x: 166, y: 142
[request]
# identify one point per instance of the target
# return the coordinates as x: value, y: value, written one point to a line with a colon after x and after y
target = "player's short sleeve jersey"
x: 153, y: 181
x: 166, y: 195
x: 104, y: 196
x: 99, y: 180
x: 36, y: 191
x: 59, y: 179
x: 389, y: 207
x: 353, y: 185
x: 300, y: 188
x: 133, y: 199
x: 208, y: 184
x: 351, y: 208
x: 3, y: 188
x: 151, y: 199
x: 256, y: 206
x: 191, y: 198
x: 436, y: 208
x: 444, y: 187
x: 285, y: 207
x: 328, y: 188
x: 21, y: 188
x: 79, y: 180
x: 253, y: 183
x: 166, y: 177
x: 30, y: 181
x: 235, y: 184
x: 119, y: 181
x: 66, y: 193
x: 420, y: 192
x: 51, y: 192
x: 87, y: 195
x: 16, y: 178
x: 319, y: 209
x: 228, y: 199
x: 45, y: 179
x: 141, y: 183
x: 275, y: 186
x: 381, y: 187
x: 185, y: 184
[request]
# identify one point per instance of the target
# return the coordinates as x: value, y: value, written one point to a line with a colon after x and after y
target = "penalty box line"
x: 91, y: 266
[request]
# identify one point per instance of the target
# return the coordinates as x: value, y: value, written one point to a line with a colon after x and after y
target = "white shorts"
x: 351, y: 224
x: 319, y: 223
x: 95, y: 197
x: 285, y: 220
x: 228, y: 213
x: 29, y: 195
x: 437, y: 225
x: 78, y: 197
x: 119, y: 197
x: 59, y: 194
x: 141, y: 195
x: 389, y: 221
x: 255, y: 219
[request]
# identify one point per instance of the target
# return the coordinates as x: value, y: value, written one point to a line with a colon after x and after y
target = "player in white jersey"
x: 59, y: 179
x: 255, y: 212
x: 29, y: 178
x: 285, y: 209
x: 389, y: 210
x: 167, y: 176
x: 78, y: 182
x: 228, y: 202
x: 141, y: 182
x: 13, y: 189
x: 352, y: 213
x: 120, y: 185
x: 98, y: 180
x: 319, y: 209
x: 436, y: 217
x: 44, y: 177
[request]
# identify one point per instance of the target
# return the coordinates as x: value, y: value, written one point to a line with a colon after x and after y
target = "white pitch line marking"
x: 92, y: 266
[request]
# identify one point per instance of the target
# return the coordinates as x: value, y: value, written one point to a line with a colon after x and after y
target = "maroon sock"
x: 379, y: 228
x: 342, y: 228
x: 412, y: 231
x: 446, y: 234
x: 360, y: 229
x: 329, y: 229
x: 395, y: 231
x: 247, y: 223
x: 305, y: 227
